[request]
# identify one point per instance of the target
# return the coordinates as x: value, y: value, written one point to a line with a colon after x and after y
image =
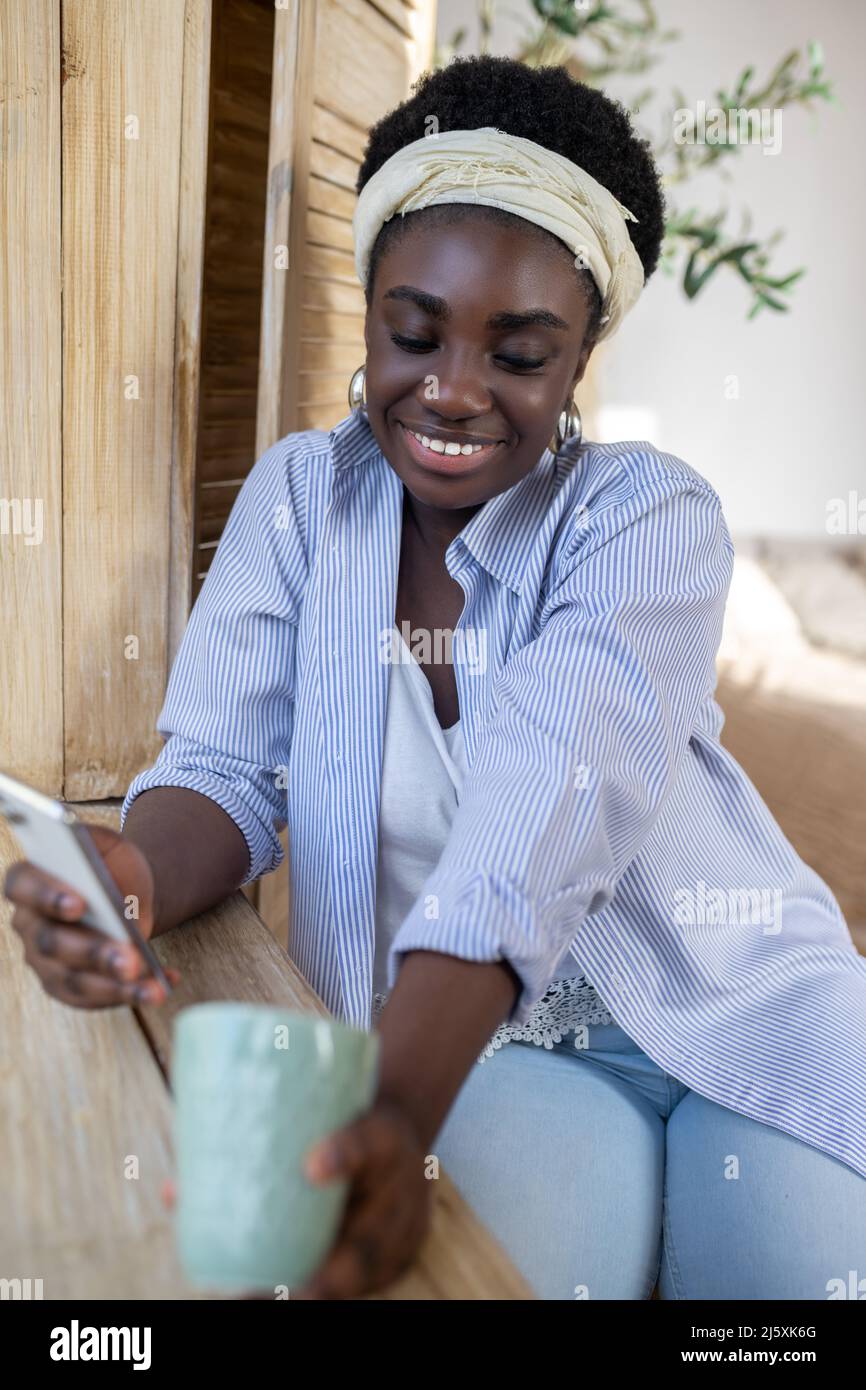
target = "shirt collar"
x: 500, y: 534
x: 352, y: 441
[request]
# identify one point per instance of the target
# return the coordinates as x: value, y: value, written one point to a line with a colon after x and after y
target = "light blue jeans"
x: 600, y: 1173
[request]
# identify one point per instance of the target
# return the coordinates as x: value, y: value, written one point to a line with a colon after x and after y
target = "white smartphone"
x: 55, y: 840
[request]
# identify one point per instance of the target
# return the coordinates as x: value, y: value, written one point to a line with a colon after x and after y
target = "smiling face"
x: 475, y: 333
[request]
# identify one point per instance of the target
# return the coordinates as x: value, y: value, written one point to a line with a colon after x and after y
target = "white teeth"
x: 441, y: 447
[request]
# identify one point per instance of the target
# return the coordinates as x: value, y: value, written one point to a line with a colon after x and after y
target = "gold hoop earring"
x: 569, y: 427
x: 357, y: 390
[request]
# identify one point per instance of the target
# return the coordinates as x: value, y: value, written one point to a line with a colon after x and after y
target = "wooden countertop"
x: 85, y: 1137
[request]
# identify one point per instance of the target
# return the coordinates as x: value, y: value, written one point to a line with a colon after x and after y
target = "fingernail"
x: 121, y: 963
x: 67, y: 902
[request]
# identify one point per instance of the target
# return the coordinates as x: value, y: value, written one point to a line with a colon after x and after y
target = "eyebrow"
x: 437, y: 308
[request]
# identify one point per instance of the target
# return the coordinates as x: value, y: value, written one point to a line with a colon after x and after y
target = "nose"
x: 458, y: 390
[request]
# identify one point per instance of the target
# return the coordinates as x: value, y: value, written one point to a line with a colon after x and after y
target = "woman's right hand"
x: 77, y: 964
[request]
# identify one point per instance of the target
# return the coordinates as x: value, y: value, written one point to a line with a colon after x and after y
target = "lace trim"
x: 566, y: 1005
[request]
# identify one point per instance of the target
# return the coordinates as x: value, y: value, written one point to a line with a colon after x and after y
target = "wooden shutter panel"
x: 354, y: 61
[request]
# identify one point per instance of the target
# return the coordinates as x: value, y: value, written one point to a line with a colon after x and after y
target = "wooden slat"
x: 324, y: 387
x: 327, y: 198
x: 347, y: 137
x: 227, y: 465
x: 333, y: 166
x: 327, y: 356
x: 331, y: 263
x: 397, y: 14
x: 225, y: 404
x: 324, y: 230
x: 320, y: 325
x: 233, y: 344
x: 333, y: 296
x: 222, y: 380
x: 361, y: 61
x: 324, y: 416
x: 366, y: 17
x: 187, y: 332
x: 240, y: 112
x: 290, y: 98
x: 31, y: 680
x: 216, y: 521
x: 120, y: 238
x: 226, y: 436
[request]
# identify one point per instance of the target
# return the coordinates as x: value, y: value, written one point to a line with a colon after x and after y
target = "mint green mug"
x: 255, y: 1088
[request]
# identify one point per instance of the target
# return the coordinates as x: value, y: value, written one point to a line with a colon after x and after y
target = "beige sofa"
x: 795, y: 710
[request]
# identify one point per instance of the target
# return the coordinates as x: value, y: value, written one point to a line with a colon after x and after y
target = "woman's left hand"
x: 388, y: 1206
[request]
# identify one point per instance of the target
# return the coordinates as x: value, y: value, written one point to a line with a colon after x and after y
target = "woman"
x: 535, y: 838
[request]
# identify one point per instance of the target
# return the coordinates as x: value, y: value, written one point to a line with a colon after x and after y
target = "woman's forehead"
x: 493, y: 231
x: 462, y: 261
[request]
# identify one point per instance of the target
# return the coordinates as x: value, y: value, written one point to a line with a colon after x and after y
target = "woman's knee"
x: 564, y: 1164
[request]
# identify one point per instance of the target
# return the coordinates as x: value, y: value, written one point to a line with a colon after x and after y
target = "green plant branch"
x: 785, y: 87
x: 598, y: 39
x: 707, y: 248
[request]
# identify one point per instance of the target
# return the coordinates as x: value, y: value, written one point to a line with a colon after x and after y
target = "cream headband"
x: 521, y: 177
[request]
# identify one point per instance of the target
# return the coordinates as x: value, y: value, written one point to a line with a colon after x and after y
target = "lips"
x: 437, y: 462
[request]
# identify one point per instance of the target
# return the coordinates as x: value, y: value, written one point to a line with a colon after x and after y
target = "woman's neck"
x: 434, y: 528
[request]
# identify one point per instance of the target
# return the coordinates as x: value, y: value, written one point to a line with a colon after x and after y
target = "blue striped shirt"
x: 600, y: 814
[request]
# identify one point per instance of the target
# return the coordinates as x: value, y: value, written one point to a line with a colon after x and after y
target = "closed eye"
x: 418, y: 345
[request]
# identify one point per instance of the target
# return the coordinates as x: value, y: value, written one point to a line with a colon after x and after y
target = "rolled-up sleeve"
x: 227, y: 717
x: 589, y: 724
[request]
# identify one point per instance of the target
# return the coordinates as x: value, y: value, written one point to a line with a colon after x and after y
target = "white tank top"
x: 423, y: 767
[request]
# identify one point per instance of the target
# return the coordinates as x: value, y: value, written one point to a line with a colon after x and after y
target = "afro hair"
x: 544, y: 104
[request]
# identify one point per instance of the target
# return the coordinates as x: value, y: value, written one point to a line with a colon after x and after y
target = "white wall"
x: 794, y: 438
